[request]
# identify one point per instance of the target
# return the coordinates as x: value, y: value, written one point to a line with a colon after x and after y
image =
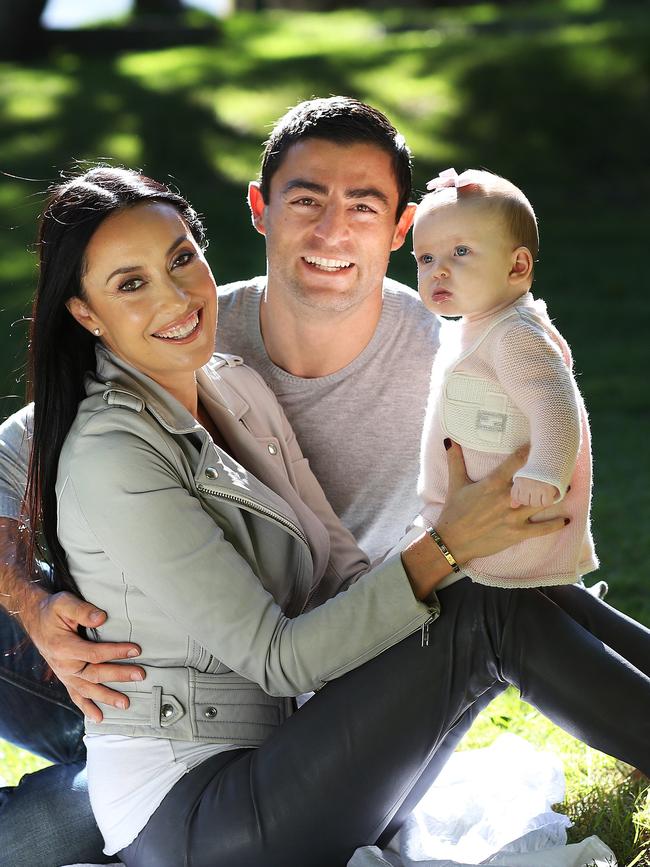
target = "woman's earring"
x: 96, y: 332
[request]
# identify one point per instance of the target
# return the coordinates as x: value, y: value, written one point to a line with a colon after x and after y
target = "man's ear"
x: 83, y: 314
x: 257, y: 205
x: 521, y: 267
x: 403, y: 225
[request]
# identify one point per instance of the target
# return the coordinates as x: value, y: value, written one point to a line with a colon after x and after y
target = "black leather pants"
x: 335, y: 775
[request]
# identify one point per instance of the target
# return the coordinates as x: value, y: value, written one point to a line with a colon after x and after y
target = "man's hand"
x: 82, y: 666
x: 478, y: 519
x: 51, y: 622
x: 531, y: 492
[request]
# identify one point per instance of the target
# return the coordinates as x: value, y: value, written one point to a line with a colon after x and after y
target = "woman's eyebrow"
x: 126, y: 268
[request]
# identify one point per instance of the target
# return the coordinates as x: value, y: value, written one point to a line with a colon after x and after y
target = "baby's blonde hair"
x: 512, y: 205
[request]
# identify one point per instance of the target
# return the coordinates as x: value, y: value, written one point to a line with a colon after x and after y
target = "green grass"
x: 15, y: 762
x: 600, y: 797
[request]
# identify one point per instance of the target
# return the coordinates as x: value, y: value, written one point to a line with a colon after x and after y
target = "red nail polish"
x: 447, y: 443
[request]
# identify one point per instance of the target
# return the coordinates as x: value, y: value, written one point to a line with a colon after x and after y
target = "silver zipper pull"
x: 425, y: 634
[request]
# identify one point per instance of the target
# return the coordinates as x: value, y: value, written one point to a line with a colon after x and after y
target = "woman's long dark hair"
x: 60, y: 350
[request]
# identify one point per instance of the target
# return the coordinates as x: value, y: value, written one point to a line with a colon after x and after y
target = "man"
x: 349, y: 355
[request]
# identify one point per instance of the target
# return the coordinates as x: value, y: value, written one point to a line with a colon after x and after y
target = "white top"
x: 129, y: 777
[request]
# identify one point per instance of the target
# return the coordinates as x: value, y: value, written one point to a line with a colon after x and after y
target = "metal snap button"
x: 166, y: 711
x: 273, y: 449
x: 210, y: 712
x: 211, y: 473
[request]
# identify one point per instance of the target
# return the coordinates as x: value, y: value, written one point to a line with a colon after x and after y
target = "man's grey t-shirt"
x: 359, y: 427
x: 15, y: 440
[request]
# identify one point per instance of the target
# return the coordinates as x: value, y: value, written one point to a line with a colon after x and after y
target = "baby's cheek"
x: 425, y: 297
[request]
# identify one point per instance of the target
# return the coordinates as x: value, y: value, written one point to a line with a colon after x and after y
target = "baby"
x: 503, y: 374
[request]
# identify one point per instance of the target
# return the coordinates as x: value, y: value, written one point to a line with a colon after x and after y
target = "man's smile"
x: 324, y: 264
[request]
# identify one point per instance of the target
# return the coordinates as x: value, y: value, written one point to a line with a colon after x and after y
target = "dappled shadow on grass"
x: 558, y: 105
x: 559, y: 110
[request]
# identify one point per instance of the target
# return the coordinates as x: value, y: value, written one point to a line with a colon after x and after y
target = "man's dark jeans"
x: 46, y: 820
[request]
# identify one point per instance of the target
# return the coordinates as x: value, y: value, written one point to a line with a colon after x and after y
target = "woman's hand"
x: 478, y: 518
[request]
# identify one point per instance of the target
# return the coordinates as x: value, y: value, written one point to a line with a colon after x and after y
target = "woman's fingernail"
x: 133, y: 652
x: 567, y: 521
x: 447, y: 443
x: 121, y: 703
x: 96, y: 616
x: 137, y: 675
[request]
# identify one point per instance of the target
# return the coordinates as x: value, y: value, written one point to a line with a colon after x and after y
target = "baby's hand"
x: 530, y: 492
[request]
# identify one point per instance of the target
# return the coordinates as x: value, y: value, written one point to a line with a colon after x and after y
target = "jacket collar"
x: 119, y: 383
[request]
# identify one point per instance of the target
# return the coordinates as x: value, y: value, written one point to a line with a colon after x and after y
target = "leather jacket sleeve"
x: 130, y: 526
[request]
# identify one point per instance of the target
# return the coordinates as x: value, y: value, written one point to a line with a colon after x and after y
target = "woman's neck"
x: 185, y: 390
x: 205, y: 420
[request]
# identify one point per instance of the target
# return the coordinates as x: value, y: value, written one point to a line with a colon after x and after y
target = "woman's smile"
x: 184, y: 330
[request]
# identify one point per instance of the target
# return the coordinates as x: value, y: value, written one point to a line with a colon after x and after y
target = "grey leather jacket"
x: 228, y: 568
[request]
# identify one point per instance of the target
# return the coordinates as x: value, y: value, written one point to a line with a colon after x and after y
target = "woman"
x: 184, y: 507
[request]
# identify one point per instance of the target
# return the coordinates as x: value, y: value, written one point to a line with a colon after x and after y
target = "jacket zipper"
x: 257, y: 507
x: 434, y: 613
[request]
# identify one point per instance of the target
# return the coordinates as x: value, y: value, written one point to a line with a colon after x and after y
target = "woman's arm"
x: 120, y: 494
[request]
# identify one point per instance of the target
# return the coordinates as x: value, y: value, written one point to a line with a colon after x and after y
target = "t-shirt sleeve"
x: 15, y: 444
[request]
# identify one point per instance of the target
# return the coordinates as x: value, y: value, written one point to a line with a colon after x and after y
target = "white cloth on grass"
x: 490, y: 806
x: 591, y: 852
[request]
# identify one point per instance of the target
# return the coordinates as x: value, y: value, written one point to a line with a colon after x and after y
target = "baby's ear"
x: 521, y: 268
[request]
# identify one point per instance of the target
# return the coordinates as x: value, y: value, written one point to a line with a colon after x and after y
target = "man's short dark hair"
x: 342, y: 120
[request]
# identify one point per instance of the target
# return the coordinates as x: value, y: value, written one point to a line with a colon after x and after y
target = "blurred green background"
x: 555, y: 96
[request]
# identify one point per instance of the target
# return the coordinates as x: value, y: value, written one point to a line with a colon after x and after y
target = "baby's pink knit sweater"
x: 497, y: 383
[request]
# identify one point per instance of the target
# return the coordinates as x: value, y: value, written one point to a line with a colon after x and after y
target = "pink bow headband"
x: 451, y: 178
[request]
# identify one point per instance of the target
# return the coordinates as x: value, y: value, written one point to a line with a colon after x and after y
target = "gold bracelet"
x: 444, y: 550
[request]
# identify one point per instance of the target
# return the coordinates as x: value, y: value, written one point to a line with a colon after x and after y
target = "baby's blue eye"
x: 426, y: 259
x: 461, y: 251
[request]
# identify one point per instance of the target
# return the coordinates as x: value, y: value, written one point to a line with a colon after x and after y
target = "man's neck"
x: 310, y: 342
